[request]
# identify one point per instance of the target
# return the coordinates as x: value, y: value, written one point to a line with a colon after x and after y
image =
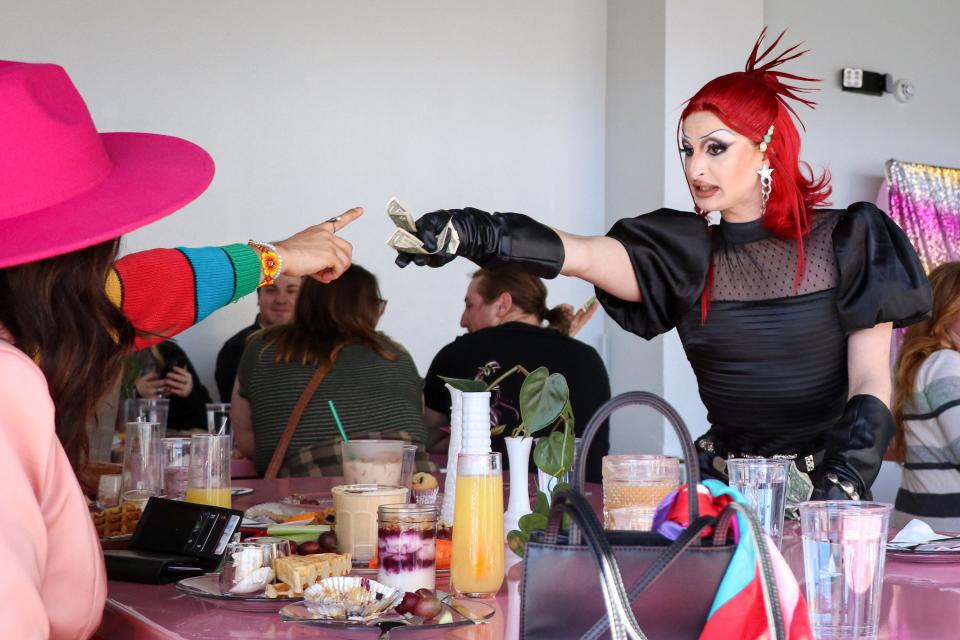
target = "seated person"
x: 276, y: 307
x: 373, y: 383
x: 927, y: 410
x: 503, y: 313
x: 164, y: 371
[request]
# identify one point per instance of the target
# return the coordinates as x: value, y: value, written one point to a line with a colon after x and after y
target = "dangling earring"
x: 766, y: 185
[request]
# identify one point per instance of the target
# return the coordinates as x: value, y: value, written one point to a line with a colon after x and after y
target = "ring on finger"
x: 334, y: 220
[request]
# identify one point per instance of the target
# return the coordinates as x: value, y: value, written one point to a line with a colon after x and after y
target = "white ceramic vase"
x: 518, y: 452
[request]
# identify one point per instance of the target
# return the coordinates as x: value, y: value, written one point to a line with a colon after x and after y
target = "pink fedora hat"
x: 63, y: 185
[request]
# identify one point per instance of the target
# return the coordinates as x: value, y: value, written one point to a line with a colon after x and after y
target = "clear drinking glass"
x: 141, y: 462
x: 240, y: 569
x: 633, y: 486
x: 147, y: 410
x: 108, y: 490
x: 372, y: 462
x: 209, y: 472
x: 476, y: 565
x: 218, y: 418
x: 763, y: 482
x: 175, y: 456
x: 843, y: 553
x: 546, y: 482
x: 408, y: 466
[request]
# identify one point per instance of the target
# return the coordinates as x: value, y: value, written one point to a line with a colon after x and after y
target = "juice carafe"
x: 476, y: 566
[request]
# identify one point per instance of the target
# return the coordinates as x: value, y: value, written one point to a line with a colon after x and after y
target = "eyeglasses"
x: 383, y: 304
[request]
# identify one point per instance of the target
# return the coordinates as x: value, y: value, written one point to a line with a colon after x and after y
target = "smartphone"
x: 589, y: 303
x: 179, y: 361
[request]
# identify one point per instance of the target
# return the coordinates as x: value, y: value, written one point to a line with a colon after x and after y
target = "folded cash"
x: 404, y: 239
x: 400, y: 216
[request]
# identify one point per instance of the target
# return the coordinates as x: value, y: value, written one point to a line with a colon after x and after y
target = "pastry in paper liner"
x: 350, y: 598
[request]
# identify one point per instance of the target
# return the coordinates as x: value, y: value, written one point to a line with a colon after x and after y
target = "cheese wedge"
x: 302, y: 571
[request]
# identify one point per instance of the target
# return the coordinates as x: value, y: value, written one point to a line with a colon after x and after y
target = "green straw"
x: 336, y: 418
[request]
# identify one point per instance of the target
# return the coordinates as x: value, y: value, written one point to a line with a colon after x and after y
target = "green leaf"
x: 497, y: 430
x: 462, y: 384
x: 554, y: 454
x: 541, y: 505
x: 517, y: 541
x: 533, y: 521
x: 542, y: 398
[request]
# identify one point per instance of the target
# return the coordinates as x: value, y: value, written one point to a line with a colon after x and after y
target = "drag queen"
x: 785, y: 308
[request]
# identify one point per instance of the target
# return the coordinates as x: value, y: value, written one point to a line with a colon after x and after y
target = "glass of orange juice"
x: 476, y: 564
x: 209, y: 476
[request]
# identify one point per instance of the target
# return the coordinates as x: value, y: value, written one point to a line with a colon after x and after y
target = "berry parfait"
x: 406, y: 546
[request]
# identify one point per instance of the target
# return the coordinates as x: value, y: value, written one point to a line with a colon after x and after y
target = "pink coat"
x: 52, y: 577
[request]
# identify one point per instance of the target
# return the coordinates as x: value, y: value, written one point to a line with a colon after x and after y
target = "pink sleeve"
x: 53, y: 582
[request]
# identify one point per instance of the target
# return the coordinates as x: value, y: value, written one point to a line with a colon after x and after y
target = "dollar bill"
x: 400, y: 216
x: 404, y: 239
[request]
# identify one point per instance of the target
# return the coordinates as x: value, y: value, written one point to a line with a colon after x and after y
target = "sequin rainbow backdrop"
x: 925, y: 202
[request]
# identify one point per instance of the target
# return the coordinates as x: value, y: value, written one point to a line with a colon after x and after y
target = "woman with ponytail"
x: 926, y: 406
x: 784, y: 308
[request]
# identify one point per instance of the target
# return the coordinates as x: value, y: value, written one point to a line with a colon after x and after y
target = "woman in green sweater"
x: 373, y: 382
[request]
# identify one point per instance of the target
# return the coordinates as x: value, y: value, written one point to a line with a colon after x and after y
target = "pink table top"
x: 919, y: 600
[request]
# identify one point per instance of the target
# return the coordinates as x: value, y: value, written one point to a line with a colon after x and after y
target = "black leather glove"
x: 490, y: 240
x: 854, y: 451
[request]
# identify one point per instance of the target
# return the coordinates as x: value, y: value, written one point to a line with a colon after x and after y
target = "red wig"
x: 749, y: 102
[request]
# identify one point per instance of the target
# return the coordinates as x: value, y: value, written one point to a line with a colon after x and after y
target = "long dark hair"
x: 528, y: 292
x: 58, y: 313
x: 330, y: 315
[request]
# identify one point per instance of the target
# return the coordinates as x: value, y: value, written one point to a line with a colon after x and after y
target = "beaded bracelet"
x: 271, y: 263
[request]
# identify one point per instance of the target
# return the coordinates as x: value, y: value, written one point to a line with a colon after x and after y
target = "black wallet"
x: 174, y: 540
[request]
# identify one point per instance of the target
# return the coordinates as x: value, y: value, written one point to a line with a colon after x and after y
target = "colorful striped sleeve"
x: 164, y: 291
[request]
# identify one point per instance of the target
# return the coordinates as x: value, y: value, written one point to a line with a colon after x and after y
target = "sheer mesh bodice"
x: 749, y: 263
x: 771, y: 358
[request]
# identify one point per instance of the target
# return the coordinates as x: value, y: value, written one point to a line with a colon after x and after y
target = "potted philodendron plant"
x: 544, y: 405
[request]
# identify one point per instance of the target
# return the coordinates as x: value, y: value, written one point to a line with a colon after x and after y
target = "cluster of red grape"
x: 327, y: 543
x: 423, y: 603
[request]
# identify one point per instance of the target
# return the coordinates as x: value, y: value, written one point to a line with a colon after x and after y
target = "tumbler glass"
x: 108, y: 490
x: 844, y: 545
x: 763, y: 482
x: 633, y: 486
x: 546, y: 482
x: 141, y: 463
x: 176, y: 466
x: 209, y: 471
x: 218, y: 418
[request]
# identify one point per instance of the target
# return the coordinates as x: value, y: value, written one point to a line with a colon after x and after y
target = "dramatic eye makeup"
x: 713, y: 145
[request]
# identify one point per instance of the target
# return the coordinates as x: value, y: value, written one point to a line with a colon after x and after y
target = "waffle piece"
x: 116, y: 521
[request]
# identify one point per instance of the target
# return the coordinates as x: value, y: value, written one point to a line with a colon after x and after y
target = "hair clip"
x: 766, y: 140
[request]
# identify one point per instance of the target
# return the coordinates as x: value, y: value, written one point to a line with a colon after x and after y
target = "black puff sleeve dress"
x: 771, y: 358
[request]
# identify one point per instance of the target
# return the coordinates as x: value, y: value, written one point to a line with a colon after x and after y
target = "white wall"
x: 310, y: 108
x: 634, y: 185
x: 853, y: 134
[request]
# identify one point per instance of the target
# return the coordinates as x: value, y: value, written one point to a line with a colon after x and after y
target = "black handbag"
x: 588, y: 583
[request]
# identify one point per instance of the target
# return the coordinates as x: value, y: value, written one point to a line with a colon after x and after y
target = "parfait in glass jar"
x: 407, y: 546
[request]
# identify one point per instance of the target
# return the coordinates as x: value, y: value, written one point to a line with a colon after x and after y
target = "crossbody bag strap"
x: 281, y: 451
